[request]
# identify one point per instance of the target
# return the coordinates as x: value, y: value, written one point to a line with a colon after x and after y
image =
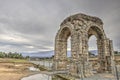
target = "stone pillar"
x: 60, y: 59
x: 101, y: 57
x: 112, y: 63
x: 79, y: 64
x: 74, y: 53
x: 105, y: 54
x: 108, y: 54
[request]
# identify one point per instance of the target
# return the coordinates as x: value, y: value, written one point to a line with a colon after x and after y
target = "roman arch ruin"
x: 80, y: 28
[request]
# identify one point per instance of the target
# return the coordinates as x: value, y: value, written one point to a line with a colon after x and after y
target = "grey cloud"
x: 39, y: 20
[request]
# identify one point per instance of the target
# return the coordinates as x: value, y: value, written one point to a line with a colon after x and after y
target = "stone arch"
x: 61, y: 47
x: 80, y: 27
x: 98, y: 32
x: 64, y: 32
x: 100, y: 36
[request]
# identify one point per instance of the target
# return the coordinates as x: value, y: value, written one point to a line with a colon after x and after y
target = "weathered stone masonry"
x: 80, y: 28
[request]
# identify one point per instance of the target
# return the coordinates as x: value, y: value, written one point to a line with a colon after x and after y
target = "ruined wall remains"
x: 80, y: 28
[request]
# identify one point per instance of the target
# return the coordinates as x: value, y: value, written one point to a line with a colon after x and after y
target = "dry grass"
x: 13, y: 69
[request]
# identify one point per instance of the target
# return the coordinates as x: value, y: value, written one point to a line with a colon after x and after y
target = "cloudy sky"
x: 31, y: 25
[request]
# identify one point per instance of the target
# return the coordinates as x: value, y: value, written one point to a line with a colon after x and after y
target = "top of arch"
x: 81, y: 16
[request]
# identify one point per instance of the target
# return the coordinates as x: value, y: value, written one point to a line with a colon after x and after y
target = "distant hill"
x: 49, y: 53
x: 94, y: 52
x: 39, y: 54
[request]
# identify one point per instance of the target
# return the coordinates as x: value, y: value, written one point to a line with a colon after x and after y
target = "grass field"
x: 12, y: 60
x: 14, y: 69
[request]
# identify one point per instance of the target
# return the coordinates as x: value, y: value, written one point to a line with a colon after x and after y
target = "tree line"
x: 11, y: 55
x: 116, y: 52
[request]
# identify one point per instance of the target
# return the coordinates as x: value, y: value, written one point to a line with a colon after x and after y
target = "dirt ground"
x: 10, y: 70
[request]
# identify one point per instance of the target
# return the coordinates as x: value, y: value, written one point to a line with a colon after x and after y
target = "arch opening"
x: 65, y: 36
x: 63, y: 40
x: 92, y: 46
x: 94, y: 37
x: 93, y: 53
x: 69, y: 47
